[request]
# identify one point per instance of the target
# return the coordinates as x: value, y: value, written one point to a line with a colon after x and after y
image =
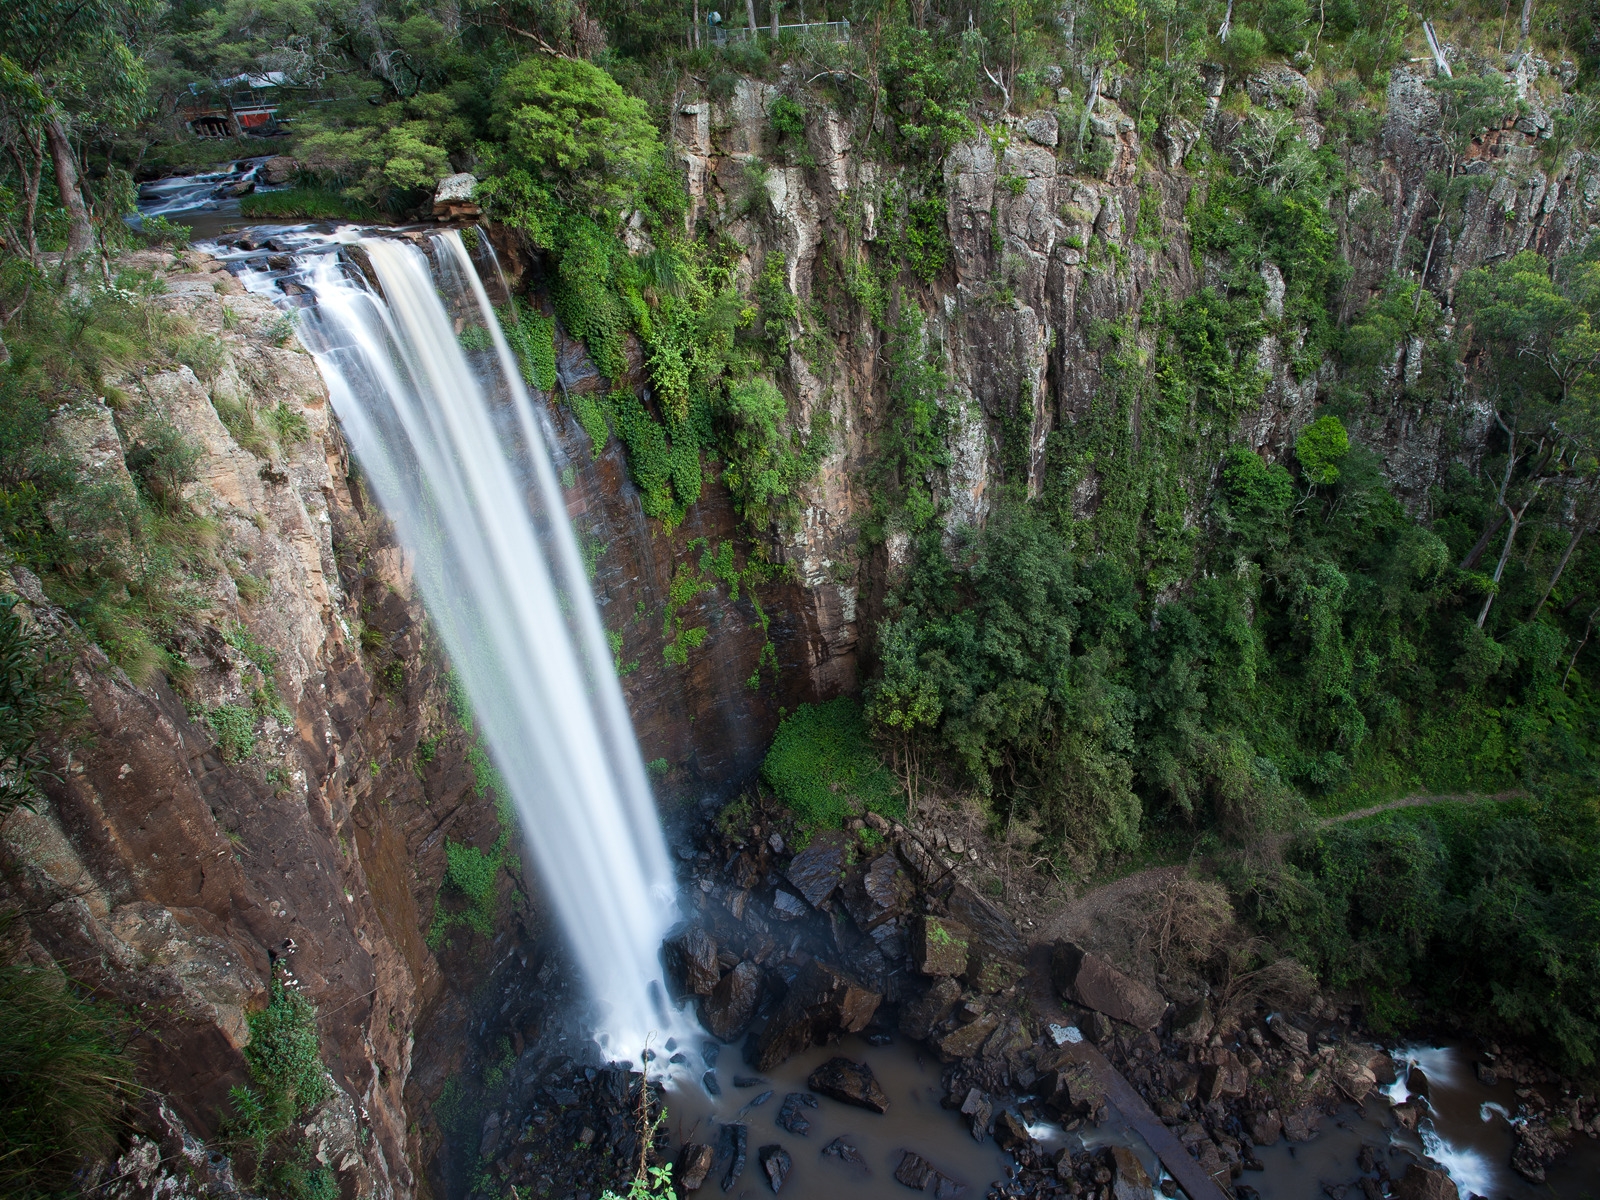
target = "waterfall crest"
x: 458, y: 459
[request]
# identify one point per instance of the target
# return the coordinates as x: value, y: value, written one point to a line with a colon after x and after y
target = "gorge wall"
x: 174, y: 870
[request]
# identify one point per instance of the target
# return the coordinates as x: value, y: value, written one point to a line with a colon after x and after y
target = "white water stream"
x: 459, y: 463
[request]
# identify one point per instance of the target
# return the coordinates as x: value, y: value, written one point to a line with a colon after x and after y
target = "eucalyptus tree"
x: 66, y: 66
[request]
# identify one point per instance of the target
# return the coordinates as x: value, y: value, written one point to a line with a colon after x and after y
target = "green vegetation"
x: 34, y: 702
x: 305, y: 204
x: 63, y: 1077
x: 823, y: 766
x: 1488, y: 914
x: 471, y: 873
x: 120, y: 561
x: 289, y: 1081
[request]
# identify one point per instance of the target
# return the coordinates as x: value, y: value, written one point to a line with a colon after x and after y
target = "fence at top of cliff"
x: 831, y: 31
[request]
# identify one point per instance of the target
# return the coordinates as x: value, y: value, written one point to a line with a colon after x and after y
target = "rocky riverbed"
x: 858, y: 972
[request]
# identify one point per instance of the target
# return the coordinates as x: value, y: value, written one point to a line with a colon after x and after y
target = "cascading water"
x: 458, y: 460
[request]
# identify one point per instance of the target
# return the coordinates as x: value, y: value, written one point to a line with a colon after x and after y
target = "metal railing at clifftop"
x: 831, y: 31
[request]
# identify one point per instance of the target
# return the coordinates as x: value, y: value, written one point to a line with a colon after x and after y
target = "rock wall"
x: 1040, y: 256
x: 174, y: 880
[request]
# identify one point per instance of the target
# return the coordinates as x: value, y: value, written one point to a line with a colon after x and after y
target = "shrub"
x: 532, y: 336
x: 1284, y: 25
x: 284, y: 1055
x: 284, y: 1052
x: 235, y: 730
x: 822, y: 765
x: 578, y: 133
x: 1320, y: 447
x: 162, y: 462
x: 1244, y: 50
x: 63, y: 1081
x: 33, y: 701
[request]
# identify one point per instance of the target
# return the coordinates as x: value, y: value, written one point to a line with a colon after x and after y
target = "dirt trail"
x: 1419, y: 802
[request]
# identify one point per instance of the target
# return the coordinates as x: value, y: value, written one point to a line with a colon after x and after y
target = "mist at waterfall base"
x: 458, y: 460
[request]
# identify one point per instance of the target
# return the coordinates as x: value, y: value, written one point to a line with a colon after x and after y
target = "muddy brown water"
x: 1468, y: 1134
x: 916, y: 1121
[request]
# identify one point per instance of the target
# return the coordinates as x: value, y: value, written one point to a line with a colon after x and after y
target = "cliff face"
x: 174, y: 877
x: 1040, y: 258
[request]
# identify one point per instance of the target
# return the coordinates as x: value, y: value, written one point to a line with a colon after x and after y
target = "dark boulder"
x: 735, y: 1140
x: 1264, y: 1128
x: 1222, y: 1078
x: 1010, y: 1133
x: 694, y: 1164
x: 1130, y: 1181
x: 1417, y: 1082
x: 918, y: 1173
x: 939, y: 945
x: 1087, y: 979
x: 775, y: 1161
x: 1192, y: 1023
x: 845, y: 1151
x: 277, y: 170
x: 1303, y: 1124
x: 691, y: 960
x: 978, y: 1107
x: 1297, y: 1040
x: 966, y: 1040
x: 1070, y: 1090
x: 817, y: 871
x: 1424, y: 1183
x: 918, y: 1018
x: 727, y: 1010
x: 822, y: 1003
x: 877, y: 893
x: 791, y: 1115
x: 849, y: 1082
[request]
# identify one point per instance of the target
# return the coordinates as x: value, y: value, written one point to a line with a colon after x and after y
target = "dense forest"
x: 1222, y: 649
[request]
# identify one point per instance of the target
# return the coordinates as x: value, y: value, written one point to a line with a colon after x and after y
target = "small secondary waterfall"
x: 460, y: 465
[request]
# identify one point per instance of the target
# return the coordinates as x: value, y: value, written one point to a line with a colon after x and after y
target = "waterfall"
x: 457, y: 458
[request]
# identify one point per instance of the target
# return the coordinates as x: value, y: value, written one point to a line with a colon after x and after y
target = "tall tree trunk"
x: 1573, y: 661
x: 1505, y: 552
x: 750, y: 14
x: 1473, y: 555
x: 80, y: 232
x: 775, y: 7
x: 1527, y: 18
x: 1583, y: 527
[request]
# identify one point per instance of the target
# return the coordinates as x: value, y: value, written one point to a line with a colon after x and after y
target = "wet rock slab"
x: 726, y: 1012
x: 776, y: 1163
x: 821, y: 1004
x: 1085, y: 978
x: 849, y: 1082
x: 792, y: 1116
x: 818, y: 870
x: 844, y: 1149
x: 919, y: 1174
x: 694, y: 1164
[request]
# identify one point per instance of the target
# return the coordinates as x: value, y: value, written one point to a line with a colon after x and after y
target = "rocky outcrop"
x: 1082, y: 977
x: 1041, y: 257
